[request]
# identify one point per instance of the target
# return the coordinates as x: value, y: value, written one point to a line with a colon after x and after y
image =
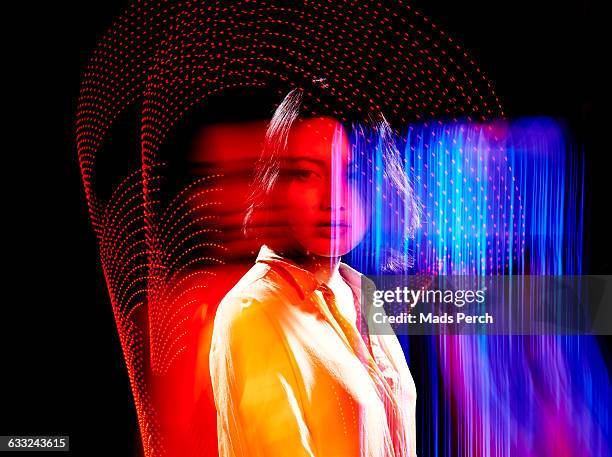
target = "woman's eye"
x: 304, y: 175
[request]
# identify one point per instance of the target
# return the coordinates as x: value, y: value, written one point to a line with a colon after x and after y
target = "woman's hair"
x: 373, y: 137
x: 267, y: 168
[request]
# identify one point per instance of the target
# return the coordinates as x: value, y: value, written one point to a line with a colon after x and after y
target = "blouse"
x: 291, y: 376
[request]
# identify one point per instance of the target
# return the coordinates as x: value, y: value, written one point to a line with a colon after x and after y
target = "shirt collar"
x: 303, y: 280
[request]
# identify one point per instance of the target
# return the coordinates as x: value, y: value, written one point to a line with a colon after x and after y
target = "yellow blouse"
x: 292, y: 377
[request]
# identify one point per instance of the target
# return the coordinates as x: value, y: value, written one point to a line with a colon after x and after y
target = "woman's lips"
x: 333, y: 230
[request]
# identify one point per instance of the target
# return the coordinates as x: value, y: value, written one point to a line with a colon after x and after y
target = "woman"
x: 293, y: 368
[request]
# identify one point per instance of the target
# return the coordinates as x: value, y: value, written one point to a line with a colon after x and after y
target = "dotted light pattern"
x: 163, y: 58
x: 472, y: 217
x: 124, y: 261
x: 163, y: 289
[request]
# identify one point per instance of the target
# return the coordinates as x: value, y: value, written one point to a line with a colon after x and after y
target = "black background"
x: 61, y: 367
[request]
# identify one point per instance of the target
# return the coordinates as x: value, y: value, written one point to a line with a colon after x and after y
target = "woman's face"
x: 325, y: 213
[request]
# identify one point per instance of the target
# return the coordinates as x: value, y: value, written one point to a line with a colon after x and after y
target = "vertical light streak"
x: 503, y: 198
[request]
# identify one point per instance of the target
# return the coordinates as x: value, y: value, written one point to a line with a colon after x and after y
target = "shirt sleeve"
x: 255, y: 385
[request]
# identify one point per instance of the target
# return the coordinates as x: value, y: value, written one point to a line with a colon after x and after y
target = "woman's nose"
x: 334, y: 193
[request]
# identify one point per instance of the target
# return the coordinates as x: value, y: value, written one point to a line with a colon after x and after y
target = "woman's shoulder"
x: 247, y: 324
x: 248, y: 302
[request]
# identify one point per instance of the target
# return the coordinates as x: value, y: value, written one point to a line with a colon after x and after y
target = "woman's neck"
x: 325, y: 269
